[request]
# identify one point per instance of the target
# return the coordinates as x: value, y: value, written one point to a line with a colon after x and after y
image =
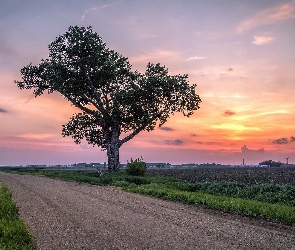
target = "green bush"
x: 137, y: 168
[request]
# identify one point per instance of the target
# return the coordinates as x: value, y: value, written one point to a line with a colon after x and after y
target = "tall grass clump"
x: 137, y: 167
x: 14, y: 234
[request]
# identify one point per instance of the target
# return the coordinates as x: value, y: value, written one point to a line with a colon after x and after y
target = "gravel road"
x: 68, y: 215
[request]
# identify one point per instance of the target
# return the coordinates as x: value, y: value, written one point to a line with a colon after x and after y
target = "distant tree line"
x: 271, y: 163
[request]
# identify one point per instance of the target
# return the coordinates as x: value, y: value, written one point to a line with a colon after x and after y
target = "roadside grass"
x: 14, y: 234
x: 268, y: 211
x: 269, y: 193
x: 266, y: 201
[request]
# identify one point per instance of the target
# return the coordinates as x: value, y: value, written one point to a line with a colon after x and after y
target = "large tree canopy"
x: 116, y: 103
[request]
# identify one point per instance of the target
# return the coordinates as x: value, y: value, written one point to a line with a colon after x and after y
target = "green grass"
x: 268, y: 211
x: 267, y: 201
x: 14, y: 234
x: 269, y: 193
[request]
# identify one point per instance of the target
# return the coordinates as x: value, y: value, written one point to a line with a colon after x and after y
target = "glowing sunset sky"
x: 241, y: 54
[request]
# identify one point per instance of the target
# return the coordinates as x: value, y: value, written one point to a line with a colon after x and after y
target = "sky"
x: 241, y: 55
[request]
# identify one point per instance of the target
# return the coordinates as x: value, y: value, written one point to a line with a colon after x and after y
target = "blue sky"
x: 239, y: 53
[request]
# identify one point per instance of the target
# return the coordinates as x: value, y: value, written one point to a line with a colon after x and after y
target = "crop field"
x: 243, y: 175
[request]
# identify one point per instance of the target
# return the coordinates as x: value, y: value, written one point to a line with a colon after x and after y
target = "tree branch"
x: 130, y: 136
x: 99, y: 104
x: 141, y: 128
x: 83, y: 108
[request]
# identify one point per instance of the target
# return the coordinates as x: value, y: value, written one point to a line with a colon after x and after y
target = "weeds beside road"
x: 14, y: 234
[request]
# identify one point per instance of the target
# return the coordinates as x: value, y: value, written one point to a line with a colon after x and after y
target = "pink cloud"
x: 196, y: 58
x: 155, y: 55
x: 261, y: 40
x: 104, y: 6
x: 271, y: 15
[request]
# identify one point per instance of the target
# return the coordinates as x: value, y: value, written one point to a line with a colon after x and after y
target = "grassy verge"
x: 13, y: 232
x: 269, y: 193
x: 268, y: 211
x: 270, y: 202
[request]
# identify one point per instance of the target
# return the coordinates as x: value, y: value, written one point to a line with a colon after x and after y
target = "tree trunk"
x: 113, y: 148
x: 113, y: 158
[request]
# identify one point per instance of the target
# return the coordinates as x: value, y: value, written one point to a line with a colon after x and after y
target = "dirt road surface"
x: 68, y: 215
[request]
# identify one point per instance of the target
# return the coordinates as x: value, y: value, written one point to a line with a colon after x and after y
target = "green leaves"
x: 99, y: 81
x: 163, y: 94
x: 85, y: 126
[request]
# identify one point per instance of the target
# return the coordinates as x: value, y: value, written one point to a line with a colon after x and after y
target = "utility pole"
x: 287, y: 159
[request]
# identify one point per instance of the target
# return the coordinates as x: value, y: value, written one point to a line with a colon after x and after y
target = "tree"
x: 116, y: 103
x: 271, y: 163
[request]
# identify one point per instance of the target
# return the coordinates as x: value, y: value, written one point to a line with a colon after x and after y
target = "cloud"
x: 234, y: 127
x: 230, y: 69
x: 157, y: 54
x: 104, y: 6
x: 3, y: 110
x: 7, y: 52
x: 166, y: 128
x: 248, y: 150
x: 281, y: 141
x: 238, y: 96
x: 196, y: 58
x: 229, y: 113
x: 175, y: 142
x: 261, y: 40
x: 278, y: 13
x: 284, y: 140
x: 37, y: 136
x: 84, y: 145
x: 178, y: 141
